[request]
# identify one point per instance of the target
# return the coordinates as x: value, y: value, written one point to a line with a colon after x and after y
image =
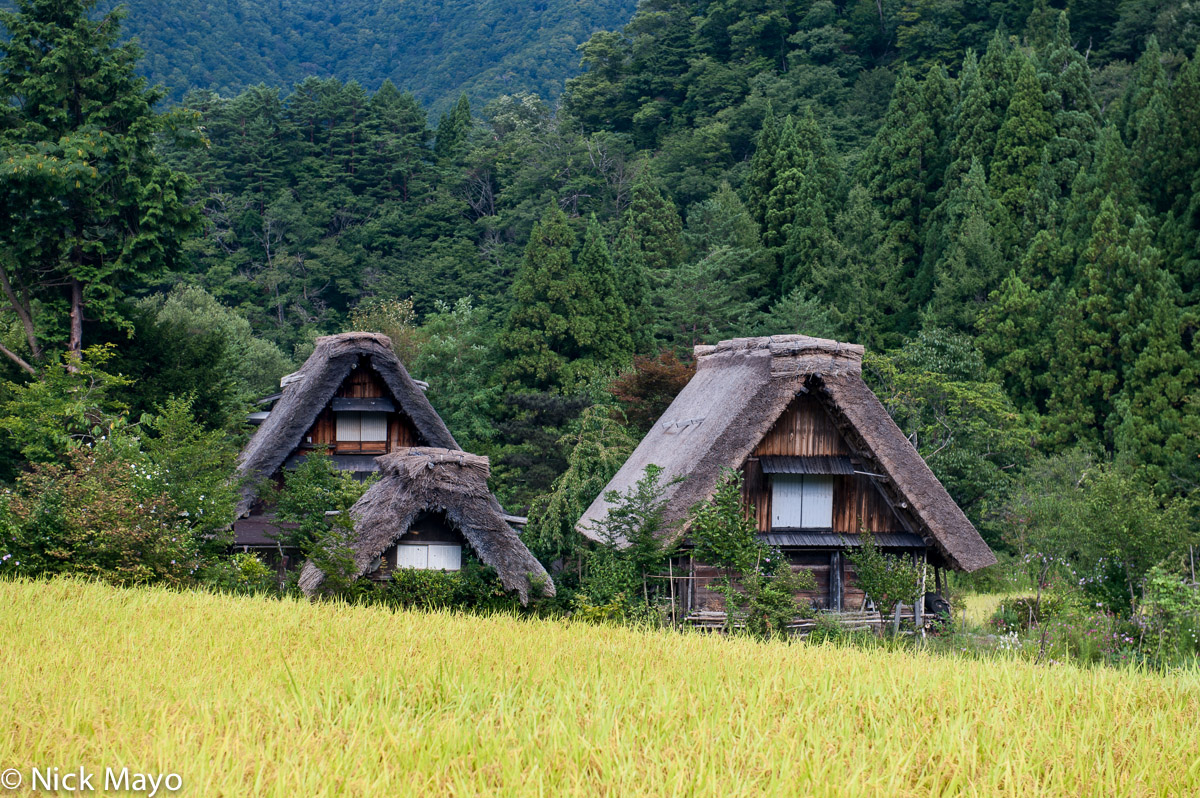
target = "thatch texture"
x: 431, y: 480
x: 306, y: 393
x: 860, y: 413
x: 740, y: 390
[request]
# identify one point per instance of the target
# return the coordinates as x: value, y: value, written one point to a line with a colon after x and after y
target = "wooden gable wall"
x: 362, y: 383
x: 805, y: 429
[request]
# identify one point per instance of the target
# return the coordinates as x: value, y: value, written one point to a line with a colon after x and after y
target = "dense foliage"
x: 1000, y: 203
x: 435, y: 48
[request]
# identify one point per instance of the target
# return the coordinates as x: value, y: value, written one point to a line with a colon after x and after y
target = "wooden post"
x: 835, y: 581
x: 919, y: 607
x: 691, y: 596
x: 896, y: 619
x: 671, y: 581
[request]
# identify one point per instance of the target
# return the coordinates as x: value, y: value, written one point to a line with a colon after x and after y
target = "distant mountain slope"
x: 433, y: 48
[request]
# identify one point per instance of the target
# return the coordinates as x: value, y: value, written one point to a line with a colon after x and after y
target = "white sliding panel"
x: 787, y: 500
x: 818, y: 502
x: 445, y: 557
x: 412, y: 556
x: 349, y: 426
x: 374, y: 427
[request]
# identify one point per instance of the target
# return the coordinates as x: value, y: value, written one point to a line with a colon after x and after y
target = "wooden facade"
x: 362, y: 383
x: 806, y: 429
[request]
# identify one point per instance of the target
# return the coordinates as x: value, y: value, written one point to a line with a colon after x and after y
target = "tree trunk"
x: 75, y: 342
x: 23, y: 308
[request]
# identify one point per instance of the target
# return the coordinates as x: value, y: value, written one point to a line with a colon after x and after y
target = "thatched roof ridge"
x: 740, y: 389
x: 308, y: 390
x: 420, y: 480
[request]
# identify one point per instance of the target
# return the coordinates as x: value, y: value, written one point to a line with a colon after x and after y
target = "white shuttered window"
x: 429, y: 556
x: 787, y: 500
x: 365, y: 427
x: 801, y: 501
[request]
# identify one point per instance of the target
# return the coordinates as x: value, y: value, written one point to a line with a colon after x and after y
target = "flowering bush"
x: 95, y: 514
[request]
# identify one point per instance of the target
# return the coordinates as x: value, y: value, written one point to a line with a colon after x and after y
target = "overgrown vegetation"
x: 758, y: 583
x: 999, y: 202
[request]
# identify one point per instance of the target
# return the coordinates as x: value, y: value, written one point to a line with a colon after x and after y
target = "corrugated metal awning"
x: 792, y: 464
x: 833, y: 540
x: 342, y: 404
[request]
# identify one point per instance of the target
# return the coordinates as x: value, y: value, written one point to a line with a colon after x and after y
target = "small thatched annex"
x: 427, y: 505
x: 353, y: 396
x: 822, y: 461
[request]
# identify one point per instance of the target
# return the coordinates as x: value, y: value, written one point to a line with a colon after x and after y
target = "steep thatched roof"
x: 740, y: 390
x: 422, y: 480
x: 306, y: 392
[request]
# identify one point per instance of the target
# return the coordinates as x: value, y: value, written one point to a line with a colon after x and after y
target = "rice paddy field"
x: 247, y: 696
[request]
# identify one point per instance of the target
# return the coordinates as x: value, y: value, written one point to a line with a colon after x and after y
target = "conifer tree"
x: 968, y: 264
x: 1027, y: 129
x: 89, y: 207
x: 1148, y: 81
x: 852, y: 281
x: 601, y: 320
x: 810, y: 240
x: 762, y: 167
x: 648, y: 246
x: 1102, y: 328
x: 986, y: 95
x: 1175, y: 162
x: 1158, y: 426
x: 399, y: 140
x: 804, y: 173
x: 720, y: 220
x: 1075, y: 113
x: 787, y: 169
x: 453, y: 130
x: 1012, y: 338
x: 1107, y: 176
x: 538, y: 340
x: 938, y: 98
x: 896, y: 173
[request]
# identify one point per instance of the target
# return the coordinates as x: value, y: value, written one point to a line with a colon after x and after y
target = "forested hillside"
x: 435, y: 49
x: 1001, y: 203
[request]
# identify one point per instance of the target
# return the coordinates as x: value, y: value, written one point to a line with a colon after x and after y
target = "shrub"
x: 887, y: 579
x: 759, y: 585
x: 1170, y: 612
x: 474, y: 587
x: 242, y: 573
x: 99, y: 513
x: 636, y: 545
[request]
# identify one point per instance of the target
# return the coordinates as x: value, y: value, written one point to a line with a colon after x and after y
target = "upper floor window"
x: 801, y: 501
x: 353, y: 426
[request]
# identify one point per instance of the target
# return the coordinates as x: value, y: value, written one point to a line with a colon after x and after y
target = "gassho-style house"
x: 354, y: 398
x: 823, y: 465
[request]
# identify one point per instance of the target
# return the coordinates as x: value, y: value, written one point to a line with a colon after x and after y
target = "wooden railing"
x: 714, y: 621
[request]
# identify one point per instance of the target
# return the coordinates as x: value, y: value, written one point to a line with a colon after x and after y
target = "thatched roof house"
x: 822, y: 459
x: 429, y: 499
x: 352, y: 395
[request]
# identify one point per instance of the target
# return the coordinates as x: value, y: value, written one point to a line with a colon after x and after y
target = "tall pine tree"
x: 89, y: 207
